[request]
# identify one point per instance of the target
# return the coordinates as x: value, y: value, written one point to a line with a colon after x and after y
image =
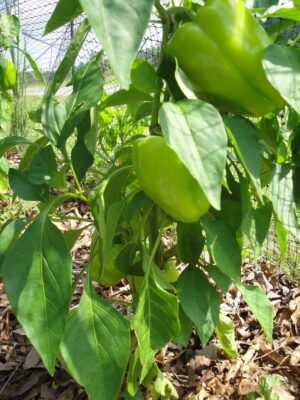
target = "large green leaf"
x: 10, y: 142
x: 119, y: 26
x: 65, y: 11
x: 155, y: 322
x: 43, y: 167
x: 96, y: 346
x: 244, y: 138
x: 9, y: 235
x: 199, y: 301
x: 186, y: 328
x: 281, y: 194
x: 260, y: 306
x: 69, y: 59
x: 282, y: 66
x: 225, y: 335
x: 223, y: 246
x: 37, y: 278
x: 194, y: 129
x: 26, y: 190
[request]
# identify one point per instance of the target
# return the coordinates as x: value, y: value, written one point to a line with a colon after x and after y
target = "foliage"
x: 247, y: 168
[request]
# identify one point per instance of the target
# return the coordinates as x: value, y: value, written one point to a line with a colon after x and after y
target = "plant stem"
x: 154, y: 126
x: 68, y: 160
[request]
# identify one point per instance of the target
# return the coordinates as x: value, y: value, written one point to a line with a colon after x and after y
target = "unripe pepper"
x: 167, y: 181
x: 8, y: 74
x: 221, y: 54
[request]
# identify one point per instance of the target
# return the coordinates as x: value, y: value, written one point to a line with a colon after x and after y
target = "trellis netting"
x: 49, y: 50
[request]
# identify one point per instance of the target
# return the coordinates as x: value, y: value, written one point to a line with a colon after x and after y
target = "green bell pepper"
x: 167, y: 181
x: 221, y: 54
x: 8, y: 74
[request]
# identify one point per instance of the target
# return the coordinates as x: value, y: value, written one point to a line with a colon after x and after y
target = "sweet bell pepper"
x: 221, y: 54
x: 167, y: 181
x: 8, y: 74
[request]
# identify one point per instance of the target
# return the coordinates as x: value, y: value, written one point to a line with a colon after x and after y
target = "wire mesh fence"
x: 49, y: 50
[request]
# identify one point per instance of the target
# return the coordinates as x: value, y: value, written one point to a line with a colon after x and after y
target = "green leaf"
x: 223, y: 246
x: 4, y: 187
x: 96, y: 346
x: 292, y: 13
x: 43, y: 167
x: 282, y: 237
x: 134, y: 370
x: 21, y: 185
x: 31, y: 152
x: 163, y: 387
x: 9, y: 30
x: 260, y: 306
x: 186, y: 328
x: 143, y: 76
x: 130, y: 96
x: 155, y: 322
x: 37, y: 279
x: 65, y: 11
x: 225, y: 335
x: 67, y: 63
x: 190, y: 242
x: 82, y: 158
x: 9, y: 235
x: 256, y: 226
x: 11, y: 141
x: 268, y: 385
x: 281, y: 194
x: 245, y: 140
x: 119, y: 27
x: 34, y: 66
x: 222, y: 280
x: 199, y: 301
x: 282, y: 67
x: 72, y: 236
x: 195, y: 130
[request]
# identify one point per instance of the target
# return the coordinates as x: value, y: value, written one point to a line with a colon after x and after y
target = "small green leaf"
x: 186, y: 328
x: 223, y: 246
x: 190, y: 242
x: 37, y: 278
x: 282, y: 196
x: 199, y: 301
x: 260, y: 306
x: 256, y: 226
x: 11, y: 141
x: 225, y: 335
x: 198, y: 127
x: 244, y: 138
x: 222, y: 280
x: 143, y: 76
x: 282, y: 237
x: 282, y: 67
x: 9, y: 30
x: 155, y: 322
x: 96, y: 346
x: 82, y: 158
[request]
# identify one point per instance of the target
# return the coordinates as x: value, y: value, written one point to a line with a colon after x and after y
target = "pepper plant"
x: 218, y: 161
